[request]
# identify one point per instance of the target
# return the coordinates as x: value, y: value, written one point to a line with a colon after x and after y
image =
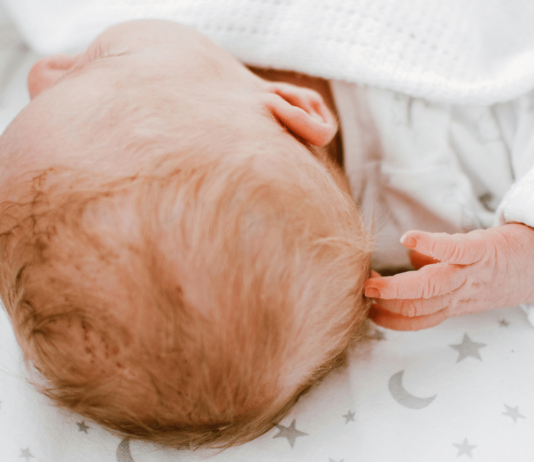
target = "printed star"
x: 504, y: 323
x: 332, y: 460
x: 468, y: 348
x: 26, y: 454
x: 82, y: 427
x: 291, y: 433
x: 464, y: 448
x: 349, y: 417
x: 513, y: 412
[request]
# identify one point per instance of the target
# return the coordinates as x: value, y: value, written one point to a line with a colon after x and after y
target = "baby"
x: 180, y: 255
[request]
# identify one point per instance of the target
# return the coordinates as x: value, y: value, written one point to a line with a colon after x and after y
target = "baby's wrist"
x: 520, y: 240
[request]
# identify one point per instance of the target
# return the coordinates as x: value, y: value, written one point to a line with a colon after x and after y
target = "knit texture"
x: 458, y: 51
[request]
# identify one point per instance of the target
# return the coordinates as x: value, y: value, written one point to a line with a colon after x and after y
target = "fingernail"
x: 408, y: 241
x: 371, y: 292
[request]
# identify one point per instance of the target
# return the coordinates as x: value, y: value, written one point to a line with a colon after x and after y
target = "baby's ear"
x: 47, y: 71
x: 302, y: 111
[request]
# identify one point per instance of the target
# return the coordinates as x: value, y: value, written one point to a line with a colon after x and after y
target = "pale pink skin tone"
x: 459, y: 274
x: 481, y: 270
x: 177, y: 59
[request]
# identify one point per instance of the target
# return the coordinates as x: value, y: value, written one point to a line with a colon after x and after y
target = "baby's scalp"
x: 190, y: 294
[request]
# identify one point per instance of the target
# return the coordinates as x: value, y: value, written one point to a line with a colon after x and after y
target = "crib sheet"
x: 460, y: 391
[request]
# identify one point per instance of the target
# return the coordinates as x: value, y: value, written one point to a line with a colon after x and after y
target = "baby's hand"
x: 477, y: 271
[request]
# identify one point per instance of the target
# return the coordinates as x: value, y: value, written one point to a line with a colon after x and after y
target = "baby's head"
x: 177, y: 258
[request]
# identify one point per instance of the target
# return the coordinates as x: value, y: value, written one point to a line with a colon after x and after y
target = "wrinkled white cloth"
x: 518, y: 204
x: 415, y: 164
x: 480, y: 51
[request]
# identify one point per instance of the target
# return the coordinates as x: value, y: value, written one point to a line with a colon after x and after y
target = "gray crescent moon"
x: 403, y: 397
x: 123, y: 451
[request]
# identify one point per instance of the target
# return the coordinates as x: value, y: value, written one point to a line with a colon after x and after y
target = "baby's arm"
x: 477, y: 271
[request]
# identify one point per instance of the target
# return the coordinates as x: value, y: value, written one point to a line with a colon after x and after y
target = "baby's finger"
x: 430, y: 281
x: 459, y: 249
x: 395, y: 321
x: 418, y: 307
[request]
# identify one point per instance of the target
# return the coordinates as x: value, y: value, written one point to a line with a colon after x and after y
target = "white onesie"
x: 414, y: 164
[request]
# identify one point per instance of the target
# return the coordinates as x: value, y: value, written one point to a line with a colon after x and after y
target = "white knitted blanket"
x: 458, y: 51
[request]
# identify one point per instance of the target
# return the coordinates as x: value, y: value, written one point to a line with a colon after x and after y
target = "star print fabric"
x: 464, y: 392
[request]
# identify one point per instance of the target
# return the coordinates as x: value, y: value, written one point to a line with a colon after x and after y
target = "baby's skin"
x: 460, y: 274
x: 144, y: 57
x: 179, y: 259
x: 456, y: 275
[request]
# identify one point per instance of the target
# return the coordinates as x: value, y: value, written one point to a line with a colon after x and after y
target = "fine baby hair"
x: 189, y: 301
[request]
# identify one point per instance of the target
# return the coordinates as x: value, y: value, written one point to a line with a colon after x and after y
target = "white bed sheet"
x: 463, y: 390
